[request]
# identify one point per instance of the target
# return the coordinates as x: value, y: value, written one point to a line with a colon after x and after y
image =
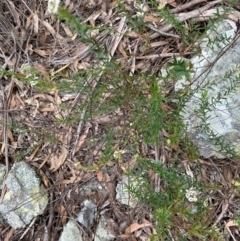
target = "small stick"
x: 163, y: 33
x: 11, y: 110
x: 162, y: 55
x: 186, y: 6
x: 183, y: 17
x: 225, y: 206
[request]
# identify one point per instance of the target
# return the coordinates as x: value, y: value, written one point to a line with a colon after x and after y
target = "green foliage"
x: 189, y: 35
x: 134, y: 20
x: 74, y: 22
x: 171, y: 209
x: 142, y: 98
x: 179, y: 68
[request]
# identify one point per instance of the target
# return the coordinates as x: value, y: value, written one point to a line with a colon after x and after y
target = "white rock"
x: 123, y: 195
x: 102, y: 232
x: 71, y: 232
x: 224, y: 114
x: 25, y: 199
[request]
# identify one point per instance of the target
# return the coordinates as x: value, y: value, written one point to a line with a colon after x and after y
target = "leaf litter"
x: 35, y: 134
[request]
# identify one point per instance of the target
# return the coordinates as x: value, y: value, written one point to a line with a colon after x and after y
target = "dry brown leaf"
x: 231, y: 223
x: 103, y: 120
x: 12, y: 103
x: 158, y: 43
x: 109, y: 185
x: 227, y: 174
x: 72, y: 179
x: 83, y: 137
x: 28, y: 21
x: 67, y: 30
x: 15, y: 14
x: 119, y: 214
x: 35, y: 23
x: 167, y: 108
x: 51, y: 30
x: 57, y: 98
x: 147, y: 230
x: 10, y: 136
x: 133, y: 34
x: 170, y: 2
x: 33, y: 154
x: 41, y: 68
x: 125, y: 166
x: 46, y: 107
x: 63, y: 135
x: 145, y: 221
x: 83, y: 65
x: 99, y: 175
x: 121, y: 50
x: 154, y: 230
x: 56, y: 162
x: 42, y: 39
x: 63, y: 214
x: 76, y: 177
x: 67, y: 97
x: 42, y: 53
x: 44, y: 178
x: 225, y: 205
x: 32, y: 101
x: 9, y: 235
x: 151, y: 18
x: 19, y: 100
x: 74, y: 37
x: 129, y: 237
x: 75, y: 64
x: 112, y: 4
x: 66, y: 182
x: 94, y: 16
x: 44, y: 97
x: 135, y: 226
x: 124, y: 235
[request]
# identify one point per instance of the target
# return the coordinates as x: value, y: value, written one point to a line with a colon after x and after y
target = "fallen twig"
x: 166, y: 55
x: 163, y: 33
x: 183, y: 17
x: 225, y: 206
x: 186, y: 6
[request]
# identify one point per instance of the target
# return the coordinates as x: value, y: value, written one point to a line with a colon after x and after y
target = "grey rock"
x: 87, y: 214
x: 71, y: 232
x: 224, y: 113
x: 123, y: 195
x: 25, y: 198
x: 102, y: 231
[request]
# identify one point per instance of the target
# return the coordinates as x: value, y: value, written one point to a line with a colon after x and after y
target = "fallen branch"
x: 183, y: 17
x: 186, y: 6
x: 166, y: 55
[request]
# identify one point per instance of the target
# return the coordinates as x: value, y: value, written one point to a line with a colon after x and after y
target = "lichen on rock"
x: 217, y: 77
x: 25, y: 198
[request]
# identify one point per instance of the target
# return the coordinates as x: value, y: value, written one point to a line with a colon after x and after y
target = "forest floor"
x: 44, y: 125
